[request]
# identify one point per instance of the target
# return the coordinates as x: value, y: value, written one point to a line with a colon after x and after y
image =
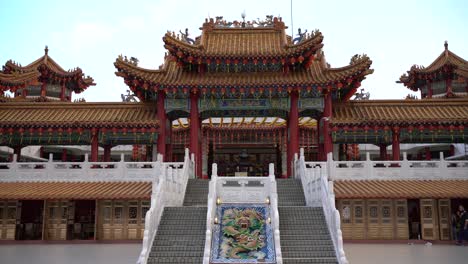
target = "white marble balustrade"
x: 78, y: 171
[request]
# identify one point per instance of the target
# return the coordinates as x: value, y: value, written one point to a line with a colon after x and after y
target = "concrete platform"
x: 127, y: 253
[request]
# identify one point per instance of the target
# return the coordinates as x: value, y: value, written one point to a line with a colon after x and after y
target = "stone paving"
x: 127, y: 254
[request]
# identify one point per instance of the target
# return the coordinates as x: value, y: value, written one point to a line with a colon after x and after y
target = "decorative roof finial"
x: 446, y: 45
x: 46, y: 50
x: 243, y: 18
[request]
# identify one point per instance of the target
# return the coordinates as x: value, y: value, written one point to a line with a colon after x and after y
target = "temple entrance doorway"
x: 245, y: 159
x: 29, y: 224
x: 84, y: 220
x: 414, y: 219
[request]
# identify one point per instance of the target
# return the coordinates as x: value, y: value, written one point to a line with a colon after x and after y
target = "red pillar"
x: 320, y: 150
x: 17, y: 151
x: 43, y: 88
x: 62, y: 92
x: 195, y: 141
x: 169, y: 146
x: 383, y: 152
x: 293, y: 130
x: 107, y: 153
x: 64, y: 155
x: 94, y: 145
x: 327, y: 115
x: 162, y: 117
x: 428, y: 153
x: 396, y: 144
x: 429, y: 89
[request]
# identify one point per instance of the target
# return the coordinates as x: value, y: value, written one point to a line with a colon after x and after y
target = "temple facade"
x: 241, y: 96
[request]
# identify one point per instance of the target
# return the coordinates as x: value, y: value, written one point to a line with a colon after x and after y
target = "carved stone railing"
x: 77, y: 171
x: 398, y: 170
x: 169, y: 190
x: 243, y: 190
x: 319, y: 192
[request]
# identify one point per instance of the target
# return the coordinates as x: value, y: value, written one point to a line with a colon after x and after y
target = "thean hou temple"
x: 244, y: 146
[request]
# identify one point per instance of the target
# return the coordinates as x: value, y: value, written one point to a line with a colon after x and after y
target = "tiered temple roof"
x: 228, y: 60
x: 447, y: 66
x: 45, y: 69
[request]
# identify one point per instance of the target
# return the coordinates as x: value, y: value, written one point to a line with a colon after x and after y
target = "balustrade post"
x: 122, y: 169
x: 369, y: 168
x: 443, y: 165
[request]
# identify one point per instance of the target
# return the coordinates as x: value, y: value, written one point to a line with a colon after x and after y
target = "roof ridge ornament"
x: 446, y: 48
x: 269, y: 22
x: 46, y: 50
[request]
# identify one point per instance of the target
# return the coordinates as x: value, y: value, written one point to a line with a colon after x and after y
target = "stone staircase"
x: 303, y: 230
x: 181, y: 234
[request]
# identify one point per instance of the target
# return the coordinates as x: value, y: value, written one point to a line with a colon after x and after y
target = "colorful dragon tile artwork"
x: 243, y: 235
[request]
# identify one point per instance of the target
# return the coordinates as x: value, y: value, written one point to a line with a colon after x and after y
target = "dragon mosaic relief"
x: 243, y: 235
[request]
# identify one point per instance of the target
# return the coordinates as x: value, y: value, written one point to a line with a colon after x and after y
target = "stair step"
x: 309, y: 260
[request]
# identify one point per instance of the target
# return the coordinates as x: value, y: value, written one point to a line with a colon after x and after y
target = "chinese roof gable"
x: 44, y: 69
x: 395, y: 112
x: 445, y: 63
x: 84, y: 115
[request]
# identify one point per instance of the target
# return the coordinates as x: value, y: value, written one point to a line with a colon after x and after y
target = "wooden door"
x: 444, y: 219
x: 373, y: 223
x: 401, y: 219
x: 7, y: 220
x: 386, y: 219
x: 133, y: 225
x: 56, y: 220
x: 359, y: 223
x: 429, y: 225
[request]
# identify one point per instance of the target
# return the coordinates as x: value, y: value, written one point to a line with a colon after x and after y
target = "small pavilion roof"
x: 445, y: 59
x: 440, y: 111
x: 66, y: 114
x: 15, y: 75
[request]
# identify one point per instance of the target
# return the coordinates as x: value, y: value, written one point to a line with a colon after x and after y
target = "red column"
x: 320, y: 155
x: 429, y: 89
x: 62, y: 93
x: 162, y: 117
x: 396, y: 144
x: 293, y: 130
x: 94, y: 145
x: 428, y: 153
x: 43, y: 88
x: 383, y: 152
x: 64, y: 155
x: 17, y: 151
x: 327, y: 115
x: 107, y: 153
x: 169, y: 146
x: 195, y: 142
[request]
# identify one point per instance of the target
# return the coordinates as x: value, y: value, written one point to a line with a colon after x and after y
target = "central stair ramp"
x: 242, y: 220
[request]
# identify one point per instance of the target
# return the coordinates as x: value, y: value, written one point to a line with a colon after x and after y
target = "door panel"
x: 444, y: 219
x: 346, y: 221
x: 401, y: 219
x: 56, y: 219
x: 8, y: 220
x: 386, y: 220
x: 428, y: 219
x: 373, y: 223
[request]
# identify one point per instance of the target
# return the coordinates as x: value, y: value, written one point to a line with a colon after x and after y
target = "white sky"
x: 91, y: 34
